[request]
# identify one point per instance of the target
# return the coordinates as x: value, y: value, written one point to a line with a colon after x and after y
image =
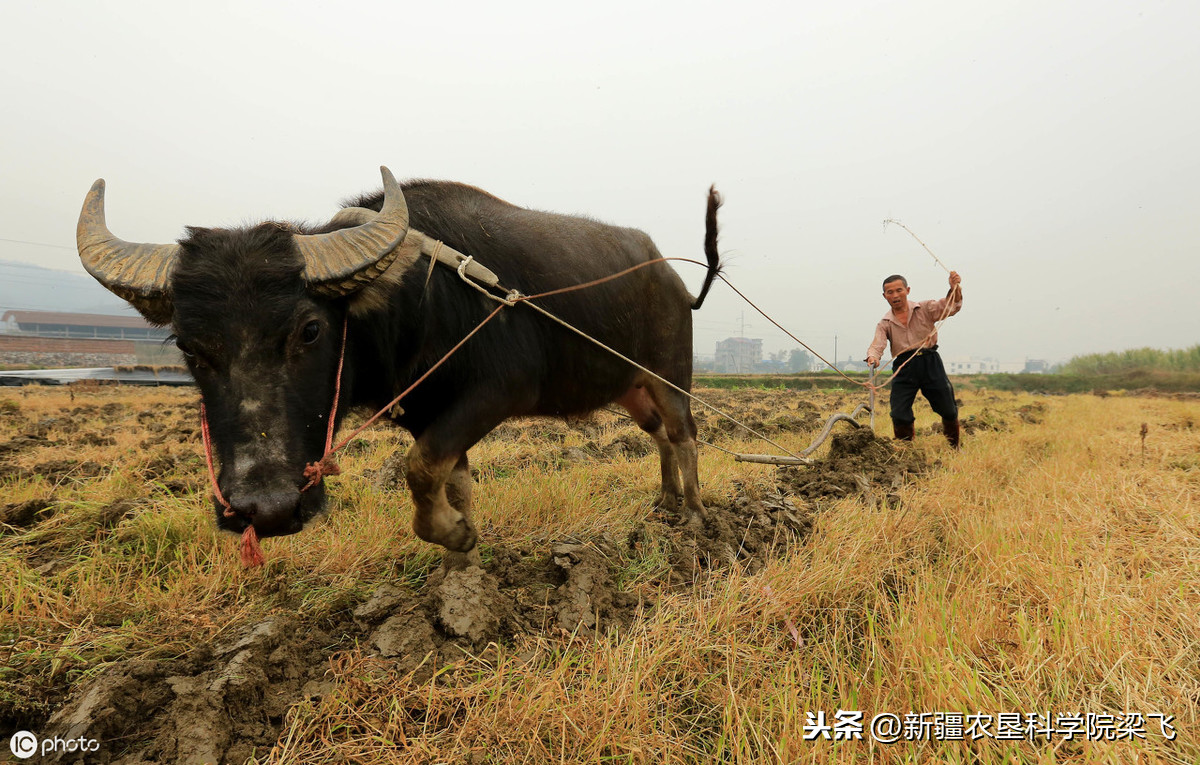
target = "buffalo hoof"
x: 462, y: 537
x: 667, y: 501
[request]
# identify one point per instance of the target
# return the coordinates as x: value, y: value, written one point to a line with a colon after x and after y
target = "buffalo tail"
x: 710, y: 245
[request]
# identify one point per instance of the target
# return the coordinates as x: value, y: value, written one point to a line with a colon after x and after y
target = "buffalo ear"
x: 158, y: 310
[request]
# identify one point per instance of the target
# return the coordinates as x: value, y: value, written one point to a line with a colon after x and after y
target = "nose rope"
x: 208, y: 459
x: 316, y: 471
x: 251, y: 552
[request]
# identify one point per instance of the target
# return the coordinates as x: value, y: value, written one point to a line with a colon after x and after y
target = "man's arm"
x: 875, y: 351
x: 952, y: 303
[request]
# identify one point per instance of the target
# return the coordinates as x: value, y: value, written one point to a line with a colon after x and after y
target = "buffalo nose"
x: 271, y: 512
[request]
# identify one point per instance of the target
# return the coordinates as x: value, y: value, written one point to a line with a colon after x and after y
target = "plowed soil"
x: 226, y: 700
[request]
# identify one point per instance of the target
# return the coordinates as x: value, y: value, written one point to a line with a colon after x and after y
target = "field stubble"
x: 1049, y: 566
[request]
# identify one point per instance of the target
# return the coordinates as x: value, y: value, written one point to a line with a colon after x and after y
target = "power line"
x: 99, y: 309
x: 37, y: 244
x: 29, y: 271
x: 43, y: 283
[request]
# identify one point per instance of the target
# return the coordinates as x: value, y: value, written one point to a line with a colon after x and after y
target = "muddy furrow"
x: 228, y: 702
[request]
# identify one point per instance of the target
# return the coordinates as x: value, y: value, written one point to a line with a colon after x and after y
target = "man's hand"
x: 872, y: 362
x: 955, y: 291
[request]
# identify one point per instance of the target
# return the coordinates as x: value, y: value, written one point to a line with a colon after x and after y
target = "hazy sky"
x: 1048, y: 151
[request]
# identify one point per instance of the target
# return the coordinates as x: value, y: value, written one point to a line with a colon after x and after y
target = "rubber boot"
x: 903, y: 430
x: 951, y: 428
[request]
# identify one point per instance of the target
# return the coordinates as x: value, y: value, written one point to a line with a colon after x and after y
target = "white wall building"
x: 738, y: 354
x: 970, y: 365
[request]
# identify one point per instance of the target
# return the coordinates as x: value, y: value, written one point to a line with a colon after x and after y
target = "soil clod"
x: 469, y: 605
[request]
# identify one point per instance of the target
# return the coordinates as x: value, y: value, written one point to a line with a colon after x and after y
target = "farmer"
x: 910, y: 328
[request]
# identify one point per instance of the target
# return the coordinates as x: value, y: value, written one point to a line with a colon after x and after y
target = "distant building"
x: 1037, y: 366
x: 79, y: 325
x: 971, y: 365
x: 738, y: 355
x: 57, y: 339
x: 854, y: 365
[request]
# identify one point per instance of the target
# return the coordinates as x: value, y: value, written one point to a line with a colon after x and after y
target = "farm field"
x: 1052, y: 567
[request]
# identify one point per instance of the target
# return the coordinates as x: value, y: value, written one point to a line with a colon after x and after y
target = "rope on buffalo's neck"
x: 316, y: 471
x: 208, y: 460
x: 331, y: 450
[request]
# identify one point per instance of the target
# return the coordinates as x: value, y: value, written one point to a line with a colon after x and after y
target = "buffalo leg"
x: 441, y: 489
x: 681, y: 431
x: 458, y: 493
x: 641, y: 408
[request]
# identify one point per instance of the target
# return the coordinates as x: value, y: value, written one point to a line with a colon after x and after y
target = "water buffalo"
x: 259, y: 312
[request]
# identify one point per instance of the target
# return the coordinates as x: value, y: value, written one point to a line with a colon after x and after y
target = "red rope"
x: 419, y: 380
x: 316, y: 471
x: 208, y: 459
x: 471, y: 334
x: 251, y: 552
x: 252, y: 555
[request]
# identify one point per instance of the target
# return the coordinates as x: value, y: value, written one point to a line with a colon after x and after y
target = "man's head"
x: 895, y: 291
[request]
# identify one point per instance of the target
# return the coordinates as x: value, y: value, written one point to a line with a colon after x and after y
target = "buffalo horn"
x: 352, y: 216
x: 345, y: 261
x: 139, y: 273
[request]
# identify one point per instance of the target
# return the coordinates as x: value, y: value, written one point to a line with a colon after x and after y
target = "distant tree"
x: 1181, y: 360
x: 799, y: 361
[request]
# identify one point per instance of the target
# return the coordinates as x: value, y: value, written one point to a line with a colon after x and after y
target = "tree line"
x: 1138, y: 359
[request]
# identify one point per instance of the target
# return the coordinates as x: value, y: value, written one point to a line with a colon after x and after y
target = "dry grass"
x: 1048, y: 567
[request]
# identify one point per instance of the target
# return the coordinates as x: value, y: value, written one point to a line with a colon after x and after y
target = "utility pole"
x: 835, y: 361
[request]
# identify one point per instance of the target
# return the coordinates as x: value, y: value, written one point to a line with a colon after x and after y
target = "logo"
x: 23, y: 744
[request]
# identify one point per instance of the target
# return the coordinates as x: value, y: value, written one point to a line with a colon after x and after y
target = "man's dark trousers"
x: 926, y: 374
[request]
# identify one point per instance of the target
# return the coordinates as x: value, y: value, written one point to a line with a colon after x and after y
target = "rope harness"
x: 472, y: 272
x: 315, y: 472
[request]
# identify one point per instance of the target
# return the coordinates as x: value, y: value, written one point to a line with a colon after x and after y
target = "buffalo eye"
x: 193, y: 358
x: 311, y: 332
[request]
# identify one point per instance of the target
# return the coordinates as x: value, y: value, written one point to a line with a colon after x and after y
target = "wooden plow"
x: 772, y: 459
